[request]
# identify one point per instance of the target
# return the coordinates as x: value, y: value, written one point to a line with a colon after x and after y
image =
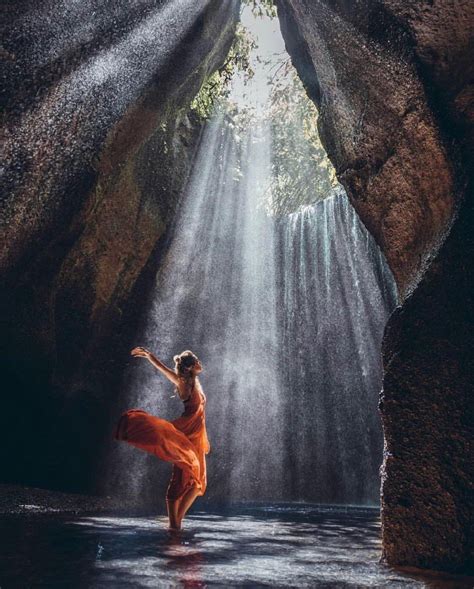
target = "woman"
x: 182, y: 441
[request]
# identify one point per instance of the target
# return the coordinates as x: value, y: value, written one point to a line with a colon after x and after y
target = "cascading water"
x: 287, y: 316
x: 216, y: 294
x: 335, y: 298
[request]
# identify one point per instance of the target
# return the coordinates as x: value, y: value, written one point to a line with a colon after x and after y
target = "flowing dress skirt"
x: 183, y: 442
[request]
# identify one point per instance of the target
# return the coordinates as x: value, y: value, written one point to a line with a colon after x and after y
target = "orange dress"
x: 183, y: 441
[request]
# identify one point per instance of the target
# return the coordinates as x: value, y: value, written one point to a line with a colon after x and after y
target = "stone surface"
x: 90, y: 96
x: 19, y: 500
x: 275, y: 545
x: 392, y: 82
x: 98, y: 147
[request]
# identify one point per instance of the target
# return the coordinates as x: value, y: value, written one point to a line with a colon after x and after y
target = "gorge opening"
x: 269, y: 276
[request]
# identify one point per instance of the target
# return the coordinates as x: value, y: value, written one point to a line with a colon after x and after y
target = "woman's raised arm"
x: 144, y: 353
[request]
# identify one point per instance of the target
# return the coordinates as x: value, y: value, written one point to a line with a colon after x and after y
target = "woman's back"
x: 192, y: 420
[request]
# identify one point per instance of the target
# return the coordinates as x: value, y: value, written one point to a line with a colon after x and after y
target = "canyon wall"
x: 97, y: 149
x: 393, y: 83
x: 98, y: 146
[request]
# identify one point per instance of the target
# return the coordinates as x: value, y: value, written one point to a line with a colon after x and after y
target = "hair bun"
x: 185, y: 362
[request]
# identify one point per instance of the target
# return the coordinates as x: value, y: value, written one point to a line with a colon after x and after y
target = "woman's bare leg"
x: 172, y: 507
x: 185, y: 503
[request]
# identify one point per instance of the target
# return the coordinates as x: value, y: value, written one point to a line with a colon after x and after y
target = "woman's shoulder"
x: 201, y: 392
x: 197, y: 392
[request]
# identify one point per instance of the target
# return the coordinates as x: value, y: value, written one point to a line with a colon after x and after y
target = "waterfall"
x: 337, y: 293
x: 215, y: 294
x: 286, y: 314
x: 287, y: 317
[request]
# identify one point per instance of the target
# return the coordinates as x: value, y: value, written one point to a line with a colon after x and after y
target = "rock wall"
x: 98, y: 148
x: 393, y: 82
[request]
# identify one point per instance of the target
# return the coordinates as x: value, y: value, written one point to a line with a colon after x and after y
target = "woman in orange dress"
x: 183, y: 441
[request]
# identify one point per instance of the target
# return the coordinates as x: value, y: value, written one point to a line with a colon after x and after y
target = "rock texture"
x: 393, y: 82
x: 97, y: 148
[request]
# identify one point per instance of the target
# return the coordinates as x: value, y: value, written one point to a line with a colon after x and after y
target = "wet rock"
x: 377, y: 126
x: 392, y: 80
x: 16, y: 499
x: 98, y: 147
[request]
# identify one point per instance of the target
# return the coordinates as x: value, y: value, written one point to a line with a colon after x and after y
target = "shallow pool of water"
x: 244, y: 546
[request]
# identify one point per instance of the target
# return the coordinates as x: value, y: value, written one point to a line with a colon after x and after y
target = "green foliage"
x: 301, y: 171
x: 262, y: 7
x: 216, y: 88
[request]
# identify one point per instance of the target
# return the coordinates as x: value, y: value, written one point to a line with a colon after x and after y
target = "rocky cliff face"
x: 392, y: 80
x: 98, y: 147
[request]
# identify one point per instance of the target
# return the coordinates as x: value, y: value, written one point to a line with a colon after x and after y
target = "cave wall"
x: 393, y: 83
x: 99, y: 144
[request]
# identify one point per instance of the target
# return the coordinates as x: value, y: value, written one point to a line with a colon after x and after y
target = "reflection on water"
x: 281, y: 545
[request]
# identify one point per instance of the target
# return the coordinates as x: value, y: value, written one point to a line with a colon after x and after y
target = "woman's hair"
x: 184, y: 362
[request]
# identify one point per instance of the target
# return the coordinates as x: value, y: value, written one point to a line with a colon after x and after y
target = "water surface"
x: 278, y: 545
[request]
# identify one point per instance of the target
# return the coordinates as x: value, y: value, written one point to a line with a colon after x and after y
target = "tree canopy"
x: 301, y: 172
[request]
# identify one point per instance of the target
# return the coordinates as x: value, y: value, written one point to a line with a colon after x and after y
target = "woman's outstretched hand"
x: 144, y: 353
x: 140, y: 352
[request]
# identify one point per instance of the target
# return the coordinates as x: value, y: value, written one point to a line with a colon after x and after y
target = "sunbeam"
x: 287, y: 314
